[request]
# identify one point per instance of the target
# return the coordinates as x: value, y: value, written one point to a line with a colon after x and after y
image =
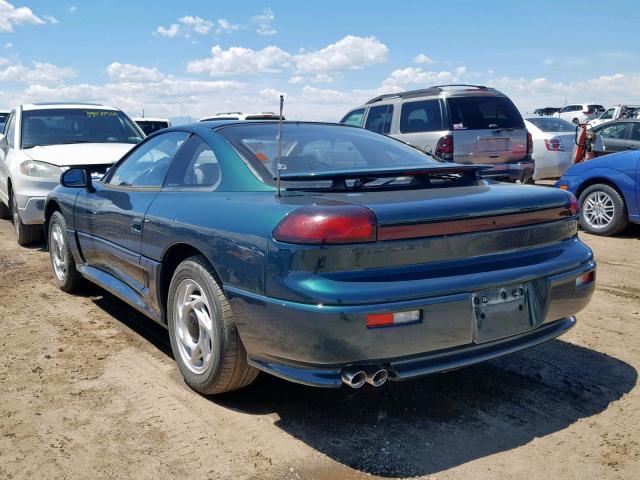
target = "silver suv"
x: 458, y: 123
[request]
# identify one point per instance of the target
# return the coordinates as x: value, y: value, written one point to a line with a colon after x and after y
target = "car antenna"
x: 279, y: 165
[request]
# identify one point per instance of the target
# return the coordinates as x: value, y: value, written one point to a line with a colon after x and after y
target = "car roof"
x: 49, y: 105
x: 450, y: 90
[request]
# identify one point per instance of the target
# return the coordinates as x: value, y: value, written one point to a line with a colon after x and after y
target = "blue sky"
x: 196, y: 58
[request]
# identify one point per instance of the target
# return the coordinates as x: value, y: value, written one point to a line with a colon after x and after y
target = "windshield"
x: 3, y: 117
x: 316, y: 148
x: 552, y: 124
x: 150, y: 126
x: 58, y: 126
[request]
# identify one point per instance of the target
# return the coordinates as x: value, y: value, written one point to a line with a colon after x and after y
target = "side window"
x: 617, y: 131
x: 379, y: 119
x: 196, y: 165
x: 424, y: 116
x: 608, y: 114
x: 148, y: 164
x: 354, y: 117
x: 635, y: 132
x: 10, y: 129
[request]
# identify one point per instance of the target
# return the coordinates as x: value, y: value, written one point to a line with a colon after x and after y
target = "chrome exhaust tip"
x: 354, y: 377
x: 377, y: 376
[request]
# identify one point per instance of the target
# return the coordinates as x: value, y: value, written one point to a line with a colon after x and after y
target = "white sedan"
x: 553, y: 140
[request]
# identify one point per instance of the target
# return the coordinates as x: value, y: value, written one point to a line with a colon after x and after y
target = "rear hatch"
x: 486, y: 129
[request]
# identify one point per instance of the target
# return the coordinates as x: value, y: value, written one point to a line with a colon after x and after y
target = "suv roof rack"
x: 425, y: 91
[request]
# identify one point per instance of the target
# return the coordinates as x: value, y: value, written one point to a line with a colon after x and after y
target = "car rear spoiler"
x: 388, y: 172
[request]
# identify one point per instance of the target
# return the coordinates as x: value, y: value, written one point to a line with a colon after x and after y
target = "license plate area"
x: 488, y: 145
x: 501, y: 312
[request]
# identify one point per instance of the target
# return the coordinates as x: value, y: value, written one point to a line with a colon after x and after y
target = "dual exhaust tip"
x: 356, y: 377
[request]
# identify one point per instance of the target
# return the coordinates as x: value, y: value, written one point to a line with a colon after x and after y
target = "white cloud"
x: 73, y: 9
x: 10, y: 16
x: 189, y: 25
x: 296, y: 80
x: 413, y: 76
x: 51, y: 19
x: 8, y: 45
x: 240, y: 60
x: 124, y: 72
x: 225, y: 26
x: 42, y: 72
x: 263, y: 22
x: 422, y: 59
x: 351, y: 52
x: 169, y: 32
x: 196, y: 24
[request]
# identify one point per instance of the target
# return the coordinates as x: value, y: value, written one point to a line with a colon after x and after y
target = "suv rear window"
x: 423, y: 116
x: 479, y: 113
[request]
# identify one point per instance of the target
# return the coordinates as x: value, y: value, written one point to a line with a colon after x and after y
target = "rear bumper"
x: 311, y: 344
x: 512, y: 171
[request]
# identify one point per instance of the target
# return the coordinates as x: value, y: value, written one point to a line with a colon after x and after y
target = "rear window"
x: 423, y: 116
x: 480, y: 113
x: 552, y: 124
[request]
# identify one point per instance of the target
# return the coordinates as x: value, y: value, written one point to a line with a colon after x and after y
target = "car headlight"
x: 34, y: 168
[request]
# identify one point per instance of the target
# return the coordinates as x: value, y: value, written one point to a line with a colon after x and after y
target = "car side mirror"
x: 4, y: 144
x: 76, y: 178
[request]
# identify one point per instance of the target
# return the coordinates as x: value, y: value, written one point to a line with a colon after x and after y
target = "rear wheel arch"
x: 172, y: 257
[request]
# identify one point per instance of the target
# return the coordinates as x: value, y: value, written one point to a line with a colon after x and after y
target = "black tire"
x: 5, y: 212
x: 228, y: 368
x: 68, y: 279
x: 619, y: 219
x: 25, y: 234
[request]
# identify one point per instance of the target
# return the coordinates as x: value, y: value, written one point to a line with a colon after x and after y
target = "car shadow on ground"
x: 434, y: 423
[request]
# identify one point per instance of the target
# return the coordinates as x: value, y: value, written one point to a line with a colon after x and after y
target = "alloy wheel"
x: 193, y: 326
x: 58, y: 252
x: 598, y: 210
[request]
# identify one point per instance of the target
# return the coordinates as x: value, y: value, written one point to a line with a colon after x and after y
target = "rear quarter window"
x: 481, y: 113
x: 422, y: 116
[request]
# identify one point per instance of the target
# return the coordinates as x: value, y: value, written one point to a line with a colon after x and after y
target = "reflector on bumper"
x: 392, y: 318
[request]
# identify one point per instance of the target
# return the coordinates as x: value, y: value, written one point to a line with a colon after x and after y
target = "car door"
x: 110, y: 218
x: 634, y: 136
x: 614, y: 136
x: 5, y: 154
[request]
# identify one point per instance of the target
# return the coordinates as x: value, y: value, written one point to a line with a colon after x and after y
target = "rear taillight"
x: 327, y: 224
x: 529, y: 143
x: 444, y: 148
x: 554, y: 145
x: 574, y: 207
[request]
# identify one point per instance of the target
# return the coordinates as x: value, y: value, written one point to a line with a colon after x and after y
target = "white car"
x: 614, y: 113
x: 577, y: 113
x: 553, y: 140
x: 150, y: 125
x: 241, y: 116
x: 41, y: 140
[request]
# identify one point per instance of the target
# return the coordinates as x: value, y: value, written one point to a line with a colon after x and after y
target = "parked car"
x: 372, y: 261
x: 580, y: 112
x: 241, y: 116
x: 546, y: 111
x: 553, y: 142
x: 608, y: 191
x: 150, y: 125
x: 616, y: 136
x: 41, y: 140
x: 461, y: 123
x: 615, y: 113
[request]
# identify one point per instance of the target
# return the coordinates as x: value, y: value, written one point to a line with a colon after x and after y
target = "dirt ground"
x: 88, y: 389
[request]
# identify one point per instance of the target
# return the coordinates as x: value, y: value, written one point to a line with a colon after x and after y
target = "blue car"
x: 323, y: 254
x: 608, y: 191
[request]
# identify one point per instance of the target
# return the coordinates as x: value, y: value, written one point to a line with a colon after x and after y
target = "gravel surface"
x: 88, y: 389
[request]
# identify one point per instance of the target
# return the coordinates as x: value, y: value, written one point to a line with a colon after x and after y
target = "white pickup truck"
x: 614, y: 113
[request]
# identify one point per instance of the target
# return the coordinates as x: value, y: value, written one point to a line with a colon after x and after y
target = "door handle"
x: 136, y: 225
